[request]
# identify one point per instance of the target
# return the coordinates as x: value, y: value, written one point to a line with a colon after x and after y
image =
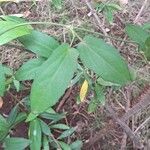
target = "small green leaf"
x: 147, y: 49
x: 10, y: 30
x: 8, y: 71
x: 4, y: 128
x: 66, y: 133
x: 114, y: 6
x: 146, y: 26
x: 99, y: 91
x: 31, y: 117
x: 45, y: 128
x: 35, y: 134
x: 60, y: 126
x: 20, y: 117
x: 57, y: 3
x: 109, y: 14
x: 137, y: 34
x: 104, y: 60
x: 29, y: 70
x: 45, y: 143
x: 92, y: 106
x: 16, y: 143
x: 64, y: 146
x: 2, y: 80
x: 17, y: 85
x: 39, y: 43
x: 106, y: 83
x: 77, y: 145
x: 54, y: 117
x: 48, y: 86
x: 13, y: 115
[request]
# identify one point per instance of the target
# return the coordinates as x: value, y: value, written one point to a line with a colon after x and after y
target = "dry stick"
x: 98, y: 136
x: 127, y: 130
x: 144, y: 102
x: 140, y: 12
x: 128, y: 98
x: 88, y: 3
x: 66, y: 96
x: 142, y: 125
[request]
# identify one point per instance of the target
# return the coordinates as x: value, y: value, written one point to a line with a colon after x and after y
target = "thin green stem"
x: 71, y: 28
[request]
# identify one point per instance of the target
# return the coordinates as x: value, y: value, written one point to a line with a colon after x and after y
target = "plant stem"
x: 66, y: 26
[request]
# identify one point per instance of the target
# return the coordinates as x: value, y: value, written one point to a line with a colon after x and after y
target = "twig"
x: 143, y: 103
x: 66, y: 96
x: 128, y: 98
x: 88, y: 3
x: 140, y: 12
x: 98, y: 136
x: 127, y: 130
x: 142, y: 125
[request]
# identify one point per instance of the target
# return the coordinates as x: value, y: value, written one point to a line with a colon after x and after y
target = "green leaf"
x: 20, y: 117
x: 16, y: 143
x: 147, y: 49
x: 137, y: 34
x: 100, y: 96
x: 29, y: 70
x: 35, y: 134
x: 64, y: 146
x: 104, y: 60
x: 17, y: 85
x: 109, y: 14
x: 106, y: 83
x: 10, y: 30
x: 4, y: 128
x: 31, y: 117
x: 45, y: 128
x: 92, y: 105
x: 8, y: 71
x: 48, y: 87
x: 54, y: 117
x: 13, y: 18
x: 2, y: 80
x: 66, y: 133
x: 60, y: 126
x: 45, y: 143
x: 57, y: 3
x: 13, y: 115
x: 39, y: 43
x: 146, y: 26
x: 77, y: 145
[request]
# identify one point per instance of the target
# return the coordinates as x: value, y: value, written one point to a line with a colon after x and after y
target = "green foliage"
x: 29, y: 70
x: 56, y: 68
x: 141, y: 37
x: 98, y: 99
x: 77, y: 145
x: 57, y: 3
x: 10, y: 30
x: 16, y: 143
x: 35, y: 134
x: 39, y: 43
x: 13, y: 119
x: 48, y: 86
x: 104, y: 60
x: 108, y: 9
x: 2, y: 80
